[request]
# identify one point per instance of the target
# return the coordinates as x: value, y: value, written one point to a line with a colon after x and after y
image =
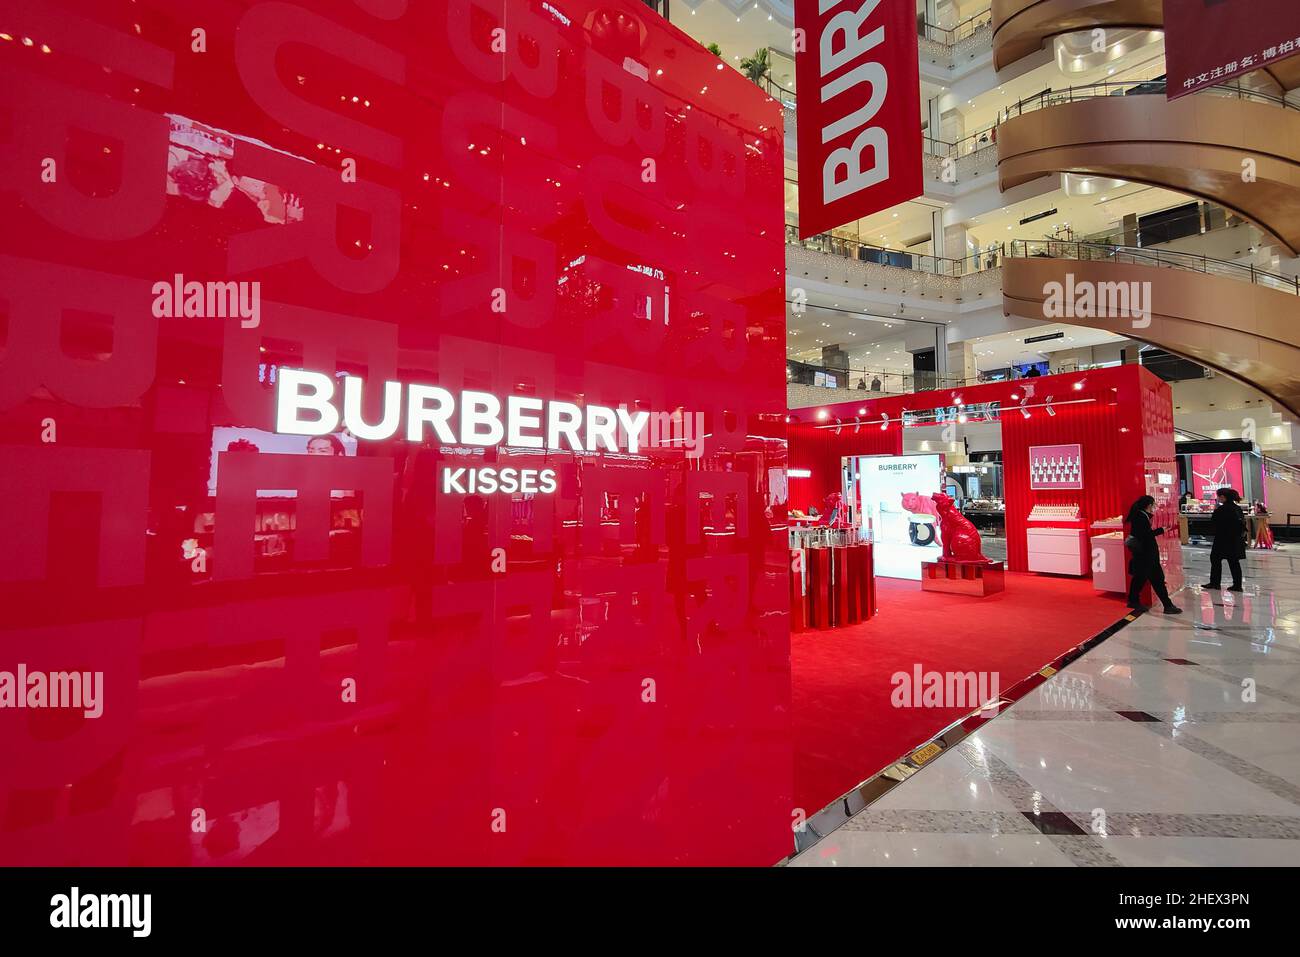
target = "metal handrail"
x: 859, y: 382
x: 855, y: 249
x: 777, y: 91
x: 968, y: 145
x: 951, y: 35
x: 1138, y: 256
x: 1131, y: 88
x: 869, y: 252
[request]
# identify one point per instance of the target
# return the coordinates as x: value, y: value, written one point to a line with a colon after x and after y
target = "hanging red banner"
x: 1209, y: 41
x: 859, y: 121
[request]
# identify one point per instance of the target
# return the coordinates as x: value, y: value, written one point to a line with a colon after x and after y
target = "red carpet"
x: 845, y: 729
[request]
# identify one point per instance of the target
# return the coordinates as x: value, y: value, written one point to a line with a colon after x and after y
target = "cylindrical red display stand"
x: 837, y: 587
x: 798, y: 591
x: 861, y: 582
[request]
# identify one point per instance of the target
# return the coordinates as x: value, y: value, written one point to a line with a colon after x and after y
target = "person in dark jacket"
x: 1228, y: 524
x: 1143, y: 542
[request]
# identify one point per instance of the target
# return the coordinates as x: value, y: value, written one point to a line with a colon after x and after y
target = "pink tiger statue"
x: 961, y: 542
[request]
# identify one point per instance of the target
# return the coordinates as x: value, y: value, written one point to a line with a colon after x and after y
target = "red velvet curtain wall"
x: 1107, y: 485
x: 820, y: 451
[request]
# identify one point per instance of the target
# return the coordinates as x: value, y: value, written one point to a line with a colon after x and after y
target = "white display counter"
x: 1109, y: 573
x: 1058, y: 551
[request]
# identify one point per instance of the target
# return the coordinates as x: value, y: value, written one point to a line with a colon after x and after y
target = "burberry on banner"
x: 859, y: 129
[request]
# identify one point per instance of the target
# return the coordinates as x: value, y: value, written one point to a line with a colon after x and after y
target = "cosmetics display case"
x: 832, y: 579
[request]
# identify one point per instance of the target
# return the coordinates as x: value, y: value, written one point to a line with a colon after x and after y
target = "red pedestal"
x: 798, y: 591
x: 963, y: 578
x: 837, y: 588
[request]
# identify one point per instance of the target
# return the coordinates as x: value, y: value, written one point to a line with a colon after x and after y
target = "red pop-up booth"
x: 1120, y: 418
x: 366, y: 647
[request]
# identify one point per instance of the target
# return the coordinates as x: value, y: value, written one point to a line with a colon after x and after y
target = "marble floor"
x: 1175, y: 742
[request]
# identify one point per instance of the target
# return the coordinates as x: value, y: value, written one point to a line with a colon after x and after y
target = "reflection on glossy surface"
x: 1171, y: 743
x: 311, y: 653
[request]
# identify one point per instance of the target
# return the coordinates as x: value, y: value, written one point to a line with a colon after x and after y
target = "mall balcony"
x: 843, y: 261
x: 1228, y: 144
x: 947, y: 53
x: 1237, y: 319
x: 1231, y: 316
x: 809, y: 385
x: 1021, y: 27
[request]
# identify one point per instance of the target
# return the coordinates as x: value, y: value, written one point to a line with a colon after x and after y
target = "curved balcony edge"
x: 1244, y: 330
x: 1240, y: 154
x: 1020, y: 27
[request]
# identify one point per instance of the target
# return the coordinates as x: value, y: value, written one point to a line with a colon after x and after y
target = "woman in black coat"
x: 1143, y: 542
x: 1229, y: 527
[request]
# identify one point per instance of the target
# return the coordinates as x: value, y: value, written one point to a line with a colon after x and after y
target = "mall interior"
x: 485, y: 500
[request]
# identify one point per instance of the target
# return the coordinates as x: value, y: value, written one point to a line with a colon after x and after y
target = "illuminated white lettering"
x: 480, y: 419
x: 601, y: 423
x: 563, y: 419
x: 291, y: 400
x: 356, y: 423
x: 417, y: 413
x: 519, y: 409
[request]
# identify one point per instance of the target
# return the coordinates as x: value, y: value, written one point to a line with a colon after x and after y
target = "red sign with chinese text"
x: 859, y: 123
x: 1209, y: 41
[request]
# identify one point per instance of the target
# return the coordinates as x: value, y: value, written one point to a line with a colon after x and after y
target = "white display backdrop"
x: 895, y: 494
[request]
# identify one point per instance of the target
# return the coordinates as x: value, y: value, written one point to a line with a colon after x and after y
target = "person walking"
x: 1143, y: 542
x: 1228, y: 525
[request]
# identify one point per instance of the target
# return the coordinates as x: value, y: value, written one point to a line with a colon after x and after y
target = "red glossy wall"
x: 617, y: 691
